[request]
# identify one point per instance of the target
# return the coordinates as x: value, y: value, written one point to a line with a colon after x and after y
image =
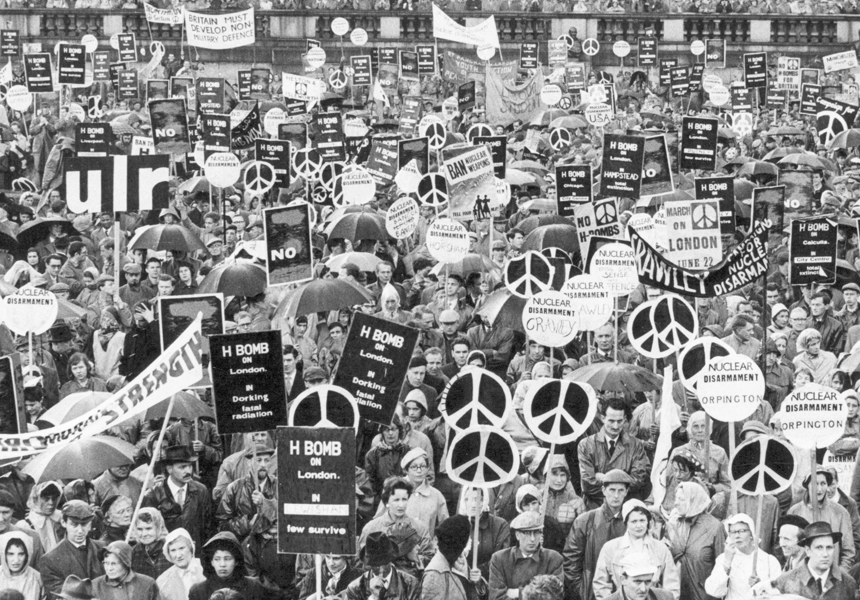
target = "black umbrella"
x: 33, y: 232
x: 167, y: 237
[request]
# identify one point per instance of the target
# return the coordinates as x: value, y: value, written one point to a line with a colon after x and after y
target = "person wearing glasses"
x: 119, y: 580
x: 742, y: 564
x: 426, y: 504
x: 512, y: 568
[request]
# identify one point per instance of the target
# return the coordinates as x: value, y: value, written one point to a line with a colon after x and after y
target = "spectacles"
x: 417, y: 467
x: 449, y: 323
x: 741, y: 531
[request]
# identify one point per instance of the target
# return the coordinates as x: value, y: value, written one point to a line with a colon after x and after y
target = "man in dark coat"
x: 77, y: 554
x: 514, y: 567
x: 379, y: 553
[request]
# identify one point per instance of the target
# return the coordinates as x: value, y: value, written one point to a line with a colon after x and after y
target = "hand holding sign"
x: 558, y: 412
x: 482, y: 457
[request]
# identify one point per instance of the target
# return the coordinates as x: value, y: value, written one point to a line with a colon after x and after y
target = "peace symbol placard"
x: 560, y: 138
x: 550, y: 318
x: 763, y: 465
x: 558, y: 412
x: 307, y: 163
x: 324, y: 406
x: 695, y: 355
x: 813, y: 416
x: 528, y: 274
x: 475, y: 397
x: 329, y: 172
x: 590, y: 46
x: 337, y: 79
x: 660, y: 327
x: 259, y: 178
x: 433, y: 190
x: 483, y: 457
x: 478, y: 130
x: 593, y: 300
x: 731, y: 388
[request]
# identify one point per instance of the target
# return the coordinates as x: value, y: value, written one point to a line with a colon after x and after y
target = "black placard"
x: 680, y: 81
x: 216, y: 133
x: 170, y: 126
x: 10, y: 42
x: 776, y: 98
x: 573, y: 184
x: 210, y: 95
x: 529, y: 55
x: 176, y: 313
x: 698, y: 143
x: 128, y: 84
x: 666, y: 64
x: 621, y: 174
x: 249, y: 385
x: 157, y: 89
x: 316, y: 490
x: 656, y: 167
x: 755, y: 70
x: 114, y: 70
x: 92, y: 139
x: 295, y: 107
x: 244, y: 85
x: 101, y: 66
x: 328, y: 136
x: 289, y: 257
x: 127, y: 47
x: 277, y: 154
x: 417, y: 149
x: 715, y: 54
x: 361, y: 70
x: 71, y: 67
x: 408, y: 65
x: 721, y: 189
x: 466, y: 96
x: 260, y: 79
x: 696, y: 73
x: 498, y: 145
x: 833, y: 117
x: 809, y: 94
x: 768, y: 204
x: 388, y: 56
x: 37, y: 68
x: 426, y: 59
x: 812, y: 252
x: 647, y: 52
x: 742, y: 99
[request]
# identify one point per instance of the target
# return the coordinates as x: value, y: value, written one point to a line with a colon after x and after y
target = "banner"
x: 507, y: 102
x: 220, y: 32
x: 289, y: 257
x: 175, y: 369
x: 470, y: 175
x: 248, y: 130
x: 693, y: 234
x: 743, y: 266
x: 812, y: 252
x: 457, y: 68
x: 573, y: 184
x: 166, y: 16
x: 176, y: 312
x: 483, y: 35
x: 621, y: 174
x: 117, y: 183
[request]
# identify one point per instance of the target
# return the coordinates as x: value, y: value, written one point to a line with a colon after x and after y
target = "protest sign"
x: 656, y: 167
x: 30, y: 310
x: 176, y: 313
x: 249, y: 389
x: 220, y: 31
x: 408, y: 65
x: 466, y: 96
x: 593, y: 300
x: 598, y: 218
x: 142, y: 146
x: 799, y: 199
x: 483, y: 34
x: 10, y: 42
x: 415, y: 149
x: 741, y: 99
x: 447, y: 240
x: 558, y: 412
x: 249, y: 129
x: 755, y: 70
x: 658, y: 328
x: 612, y: 262
x: 694, y: 234
x: 809, y: 93
x: 402, y: 218
x: 644, y: 224
x: 529, y: 55
x: 694, y: 357
x: 382, y: 161
x: 300, y: 88
x: 768, y: 203
x: 573, y: 187
x: 679, y: 79
x: 361, y: 70
x: 696, y: 73
x: 170, y: 126
x: 37, y: 69
x: 128, y: 86
x: 354, y: 186
x: 288, y: 244
x: 216, y: 133
x: 715, y: 54
x: 470, y: 175
x: 721, y: 189
x: 210, y: 94
x: 840, y: 61
x: 126, y: 47
x: 426, y: 59
x: 621, y: 175
x: 101, y: 66
x: 117, y: 183
x: 788, y: 73
x: 776, y: 98
x: 498, y: 146
x: 647, y: 56
x: 277, y: 154
x: 379, y: 352
x: 410, y: 113
x: 666, y: 65
x: 730, y: 388
x: 260, y: 78
x: 550, y: 318
x: 71, y: 66
x: 166, y: 16
x: 556, y: 53
x: 844, y: 465
x: 244, y: 84
x: 93, y: 139
x: 698, y: 143
x: 812, y: 252
x: 474, y: 397
x: 813, y: 416
x: 13, y: 418
x: 484, y: 457
x: 328, y: 136
x: 763, y: 465
x: 157, y: 89
x: 316, y: 490
x: 833, y: 117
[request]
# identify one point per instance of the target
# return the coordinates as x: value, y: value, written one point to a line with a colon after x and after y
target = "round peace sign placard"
x: 593, y: 300
x: 478, y: 130
x: 731, y: 388
x: 324, y: 406
x: 658, y: 328
x: 475, y: 397
x: 560, y: 138
x: 436, y: 135
x: 763, y: 465
x: 307, y: 163
x: 558, y: 412
x: 483, y: 457
x: 528, y: 274
x: 329, y: 173
x: 695, y: 355
x: 259, y: 178
x: 550, y: 318
x: 433, y: 190
x: 813, y: 416
x: 566, y: 103
x: 590, y: 46
x: 337, y: 79
x: 447, y: 240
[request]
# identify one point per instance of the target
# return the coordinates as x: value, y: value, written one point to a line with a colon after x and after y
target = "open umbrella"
x: 544, y: 205
x: 365, y: 261
x: 784, y: 130
x: 168, y: 237
x: 570, y: 122
x: 33, y: 232
x: 517, y: 177
x: 71, y: 407
x: 850, y: 138
x: 531, y: 223
x: 618, y: 377
x: 121, y: 128
x: 84, y: 458
x: 503, y: 309
x: 471, y: 263
x: 529, y: 165
x: 8, y: 241
x: 553, y: 236
x: 777, y: 153
x: 240, y: 278
x: 321, y: 295
x: 364, y: 225
x: 186, y: 406
x: 802, y: 159
x: 758, y: 168
x: 545, y: 117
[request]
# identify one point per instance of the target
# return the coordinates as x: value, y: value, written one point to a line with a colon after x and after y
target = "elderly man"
x: 810, y: 356
x: 514, y: 567
x: 790, y: 532
x: 742, y: 564
x: 637, y: 579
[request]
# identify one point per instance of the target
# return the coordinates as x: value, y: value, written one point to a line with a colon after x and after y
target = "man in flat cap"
x: 77, y: 554
x: 637, y: 579
x: 514, y: 567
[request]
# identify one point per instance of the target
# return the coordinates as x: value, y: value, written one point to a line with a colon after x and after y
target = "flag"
x: 379, y: 94
x: 6, y: 73
x: 483, y: 35
x: 669, y: 422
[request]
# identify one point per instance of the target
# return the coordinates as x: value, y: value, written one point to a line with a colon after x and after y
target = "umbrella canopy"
x: 365, y: 261
x: 471, y: 263
x: 545, y: 117
x: 8, y: 241
x: 364, y: 225
x: 784, y: 130
x: 758, y: 168
x: 777, y: 153
x: 503, y: 309
x: 553, y: 236
x: 185, y: 406
x: 84, y: 458
x: 121, y: 128
x: 35, y: 231
x: 168, y: 237
x: 71, y: 407
x: 530, y: 224
x: 240, y: 278
x: 850, y: 138
x: 321, y: 295
x: 570, y: 122
x: 618, y: 377
x: 544, y: 205
x: 802, y: 159
x: 676, y: 196
x: 517, y: 177
x: 529, y: 165
x: 726, y: 133
x: 67, y: 310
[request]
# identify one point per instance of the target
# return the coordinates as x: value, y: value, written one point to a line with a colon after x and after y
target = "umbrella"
x: 364, y: 225
x: 531, y: 223
x: 168, y: 237
x: 186, y: 406
x: 801, y: 159
x: 71, y: 407
x: 240, y: 278
x: 778, y: 153
x: 725, y: 132
x: 545, y: 117
x: 8, y: 241
x: 618, y: 377
x: 570, y: 122
x: 743, y: 189
x: 529, y: 165
x: 67, y: 310
x: 365, y: 261
x: 758, y: 168
x: 784, y: 130
x: 321, y: 295
x: 543, y: 204
x: 676, y: 196
x: 33, y: 232
x: 194, y: 185
x: 517, y: 177
x: 84, y: 458
x: 850, y: 138
x: 503, y: 309
x: 120, y: 128
x: 553, y: 236
x: 471, y: 263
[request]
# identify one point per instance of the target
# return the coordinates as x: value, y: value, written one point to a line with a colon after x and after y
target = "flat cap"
x: 78, y: 509
x: 527, y: 521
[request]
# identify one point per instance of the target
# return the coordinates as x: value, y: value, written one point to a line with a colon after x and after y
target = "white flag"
x: 379, y: 93
x: 483, y: 35
x: 6, y: 73
x: 669, y: 422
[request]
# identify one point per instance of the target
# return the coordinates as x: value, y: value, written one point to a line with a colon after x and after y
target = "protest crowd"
x: 400, y: 329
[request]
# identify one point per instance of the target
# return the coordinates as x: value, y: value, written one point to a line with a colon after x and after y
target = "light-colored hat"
x: 411, y: 456
x: 638, y: 563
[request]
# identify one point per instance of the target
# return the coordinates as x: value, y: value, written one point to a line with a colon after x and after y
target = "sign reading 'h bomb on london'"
x: 622, y: 166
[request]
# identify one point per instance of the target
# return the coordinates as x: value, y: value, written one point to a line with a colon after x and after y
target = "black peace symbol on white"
x: 560, y: 138
x: 436, y: 135
x: 433, y: 190
x: 478, y: 130
x: 591, y: 46
x: 259, y: 177
x: 320, y: 194
x: 324, y: 406
x: 527, y: 285
x: 565, y: 103
x: 828, y: 121
x: 695, y: 355
x: 567, y: 40
x: 337, y: 79
x: 484, y: 457
x: 705, y: 216
x: 329, y: 173
x: 471, y: 412
x: 3, y: 90
x: 763, y: 465
x: 559, y: 411
x: 557, y: 253
x: 663, y: 326
x: 307, y: 163
x: 605, y: 213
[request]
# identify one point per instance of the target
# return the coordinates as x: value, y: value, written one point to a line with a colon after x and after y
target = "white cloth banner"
x: 220, y: 32
x: 177, y: 368
x: 483, y: 34
x: 669, y: 422
x: 167, y: 16
x: 297, y: 87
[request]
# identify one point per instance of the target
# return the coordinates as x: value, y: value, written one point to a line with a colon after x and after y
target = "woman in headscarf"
x: 562, y: 502
x: 684, y: 466
x: 607, y: 573
x: 120, y: 582
x: 149, y: 532
x: 476, y: 358
x: 695, y: 538
x: 176, y: 582
x: 779, y: 320
x: 494, y: 534
x: 449, y: 575
x: 16, y: 572
x: 716, y: 475
x: 44, y: 517
x: 105, y: 348
x: 389, y: 299
x: 224, y: 567
x: 742, y: 562
x: 810, y: 356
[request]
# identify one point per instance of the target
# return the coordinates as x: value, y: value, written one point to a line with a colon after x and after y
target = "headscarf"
x: 740, y: 518
x: 28, y: 581
x: 476, y: 354
x: 697, y: 417
x: 109, y: 321
x: 527, y: 489
x: 541, y: 366
x: 43, y: 524
x: 805, y: 337
x: 176, y: 534
x: 697, y: 500
x: 156, y: 519
x: 461, y: 504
